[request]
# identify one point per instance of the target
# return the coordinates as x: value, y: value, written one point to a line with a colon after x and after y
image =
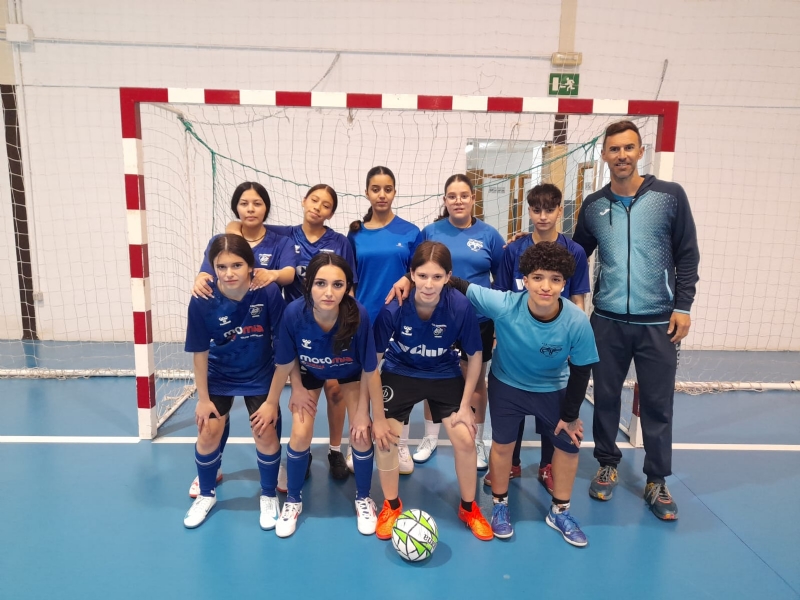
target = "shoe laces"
x: 365, y: 508
x: 500, y: 511
x: 605, y: 474
x: 402, y: 453
x: 269, y: 503
x: 568, y: 522
x: 202, y: 503
x: 428, y: 443
x: 290, y: 510
x: 661, y: 493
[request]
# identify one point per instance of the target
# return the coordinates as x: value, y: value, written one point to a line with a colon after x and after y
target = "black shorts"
x: 487, y: 342
x: 224, y: 403
x: 312, y: 383
x: 401, y: 393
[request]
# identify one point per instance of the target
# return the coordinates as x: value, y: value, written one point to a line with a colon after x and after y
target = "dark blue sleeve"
x: 206, y: 267
x: 579, y: 282
x: 365, y: 344
x: 470, y: 335
x: 285, y: 256
x: 198, y: 338
x: 285, y: 349
x: 685, y: 251
x: 284, y: 230
x: 384, y: 327
x: 349, y: 256
x: 504, y: 279
x: 497, y: 252
x: 582, y: 235
x: 276, y: 307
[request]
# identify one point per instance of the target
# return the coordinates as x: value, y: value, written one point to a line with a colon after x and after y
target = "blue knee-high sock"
x: 225, y: 433
x: 296, y: 465
x: 362, y: 465
x: 207, y: 465
x: 268, y: 469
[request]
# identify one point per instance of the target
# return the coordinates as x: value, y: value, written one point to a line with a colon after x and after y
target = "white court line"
x: 68, y: 439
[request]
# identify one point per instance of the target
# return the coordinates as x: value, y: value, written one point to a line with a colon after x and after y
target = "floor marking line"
x: 67, y: 439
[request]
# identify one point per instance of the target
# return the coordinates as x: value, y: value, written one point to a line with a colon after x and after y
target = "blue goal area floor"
x: 89, y: 511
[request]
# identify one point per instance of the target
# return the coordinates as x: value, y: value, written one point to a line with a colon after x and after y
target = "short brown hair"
x: 619, y: 127
x: 544, y: 196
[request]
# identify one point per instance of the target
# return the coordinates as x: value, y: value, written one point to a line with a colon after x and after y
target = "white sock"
x: 432, y: 429
x: 479, y: 434
x: 560, y: 508
x: 336, y: 448
x: 404, y: 435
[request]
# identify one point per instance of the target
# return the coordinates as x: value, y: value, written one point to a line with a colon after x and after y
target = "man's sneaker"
x: 367, y: 516
x: 270, y: 512
x: 603, y: 483
x: 283, y: 480
x: 501, y: 521
x: 386, y: 520
x: 567, y: 526
x: 287, y: 522
x: 516, y: 471
x: 348, y: 460
x: 198, y: 511
x: 425, y: 449
x: 483, y: 460
x: 546, y: 478
x: 406, y: 463
x: 338, y: 465
x: 660, y: 501
x: 194, y: 489
x: 474, y: 519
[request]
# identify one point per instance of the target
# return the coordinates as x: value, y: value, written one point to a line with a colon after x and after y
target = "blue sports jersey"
x: 509, y: 277
x: 301, y: 337
x: 382, y: 257
x: 330, y: 241
x: 273, y: 252
x: 239, y: 339
x: 424, y: 349
x: 531, y: 355
x: 477, y: 250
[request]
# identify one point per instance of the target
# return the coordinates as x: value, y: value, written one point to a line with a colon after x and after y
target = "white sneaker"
x: 283, y: 482
x: 349, y: 460
x: 288, y: 520
x: 406, y: 464
x: 367, y: 515
x: 480, y: 448
x: 426, y: 449
x: 198, y: 511
x: 194, y: 489
x: 270, y: 512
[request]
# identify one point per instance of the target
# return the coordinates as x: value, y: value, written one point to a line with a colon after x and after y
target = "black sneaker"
x: 308, y: 468
x: 338, y: 465
x: 660, y: 501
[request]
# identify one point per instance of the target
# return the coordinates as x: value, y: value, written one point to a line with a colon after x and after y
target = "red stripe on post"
x: 572, y: 106
x: 293, y: 98
x: 222, y: 96
x: 434, y: 102
x: 667, y: 112
x: 146, y: 391
x: 140, y: 263
x: 129, y: 112
x: 134, y: 192
x: 504, y: 104
x: 364, y: 101
x: 143, y: 327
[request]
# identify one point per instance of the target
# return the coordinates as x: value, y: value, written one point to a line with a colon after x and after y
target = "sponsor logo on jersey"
x: 296, y: 249
x: 399, y: 244
x: 224, y: 320
x: 474, y: 245
x: 264, y: 259
x: 307, y: 344
x: 550, y: 351
x: 328, y: 250
x: 246, y: 330
x: 256, y: 310
x: 388, y: 393
x: 520, y: 284
x: 423, y: 350
x: 318, y: 363
x: 438, y: 330
x: 406, y: 330
x: 301, y: 271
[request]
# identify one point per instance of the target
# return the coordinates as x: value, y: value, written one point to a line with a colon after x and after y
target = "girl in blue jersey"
x: 477, y: 250
x: 418, y: 339
x: 231, y: 337
x: 325, y: 335
x: 309, y: 238
x: 383, y: 244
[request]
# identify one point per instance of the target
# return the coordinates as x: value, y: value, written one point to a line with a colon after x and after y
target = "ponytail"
x: 349, y: 320
x: 355, y: 226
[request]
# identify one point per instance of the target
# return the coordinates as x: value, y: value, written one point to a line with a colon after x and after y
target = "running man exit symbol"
x: 563, y: 84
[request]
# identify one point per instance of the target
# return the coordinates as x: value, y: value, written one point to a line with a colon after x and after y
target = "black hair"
x: 349, y: 318
x: 451, y: 180
x: 547, y: 256
x: 619, y: 127
x: 235, y: 244
x: 327, y: 188
x: 242, y: 188
x: 544, y: 196
x: 356, y: 225
x: 429, y: 251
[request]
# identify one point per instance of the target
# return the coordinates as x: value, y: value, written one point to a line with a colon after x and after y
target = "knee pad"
x: 387, y: 460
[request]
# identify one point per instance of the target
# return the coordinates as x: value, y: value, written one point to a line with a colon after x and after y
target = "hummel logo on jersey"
x: 296, y: 249
x: 438, y: 330
x: 255, y: 310
x: 224, y: 320
x: 307, y: 344
x: 474, y: 245
x: 604, y: 212
x: 548, y: 350
x: 406, y: 330
x: 264, y: 259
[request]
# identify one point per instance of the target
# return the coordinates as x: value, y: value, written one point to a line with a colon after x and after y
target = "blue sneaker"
x: 567, y: 526
x: 501, y: 521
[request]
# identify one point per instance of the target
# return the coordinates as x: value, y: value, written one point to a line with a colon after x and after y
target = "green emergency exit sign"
x: 563, y: 84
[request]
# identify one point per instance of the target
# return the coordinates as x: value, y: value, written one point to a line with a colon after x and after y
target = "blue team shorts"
x: 508, y: 407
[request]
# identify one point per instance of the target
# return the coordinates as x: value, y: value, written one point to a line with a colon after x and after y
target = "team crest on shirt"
x: 550, y: 351
x: 224, y: 320
x: 256, y: 309
x: 307, y: 344
x: 438, y: 330
x: 406, y: 330
x: 474, y: 245
x: 264, y: 259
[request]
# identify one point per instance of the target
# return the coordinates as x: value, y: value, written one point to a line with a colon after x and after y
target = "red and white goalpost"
x: 294, y: 139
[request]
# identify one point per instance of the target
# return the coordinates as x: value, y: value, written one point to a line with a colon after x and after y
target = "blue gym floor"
x: 91, y: 512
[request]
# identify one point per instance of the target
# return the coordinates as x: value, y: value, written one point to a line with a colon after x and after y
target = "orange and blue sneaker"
x: 660, y: 501
x: 474, y: 519
x: 603, y: 483
x: 386, y: 520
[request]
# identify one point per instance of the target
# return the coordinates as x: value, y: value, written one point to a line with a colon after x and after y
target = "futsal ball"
x: 415, y: 535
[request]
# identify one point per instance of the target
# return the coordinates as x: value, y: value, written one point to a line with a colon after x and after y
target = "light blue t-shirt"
x: 531, y: 355
x: 626, y: 200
